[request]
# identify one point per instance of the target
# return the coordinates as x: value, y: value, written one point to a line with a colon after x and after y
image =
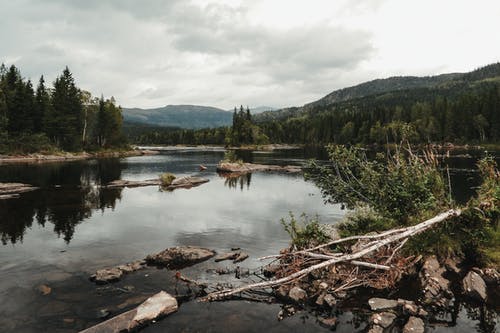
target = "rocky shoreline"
x: 65, y: 157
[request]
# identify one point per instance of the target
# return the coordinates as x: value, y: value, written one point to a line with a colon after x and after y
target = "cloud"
x: 232, y: 52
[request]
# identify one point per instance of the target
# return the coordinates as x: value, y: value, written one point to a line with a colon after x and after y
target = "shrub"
x: 307, y: 233
x: 167, y: 178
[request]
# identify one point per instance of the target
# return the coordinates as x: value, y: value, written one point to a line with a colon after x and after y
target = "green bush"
x: 305, y: 233
x: 167, y: 178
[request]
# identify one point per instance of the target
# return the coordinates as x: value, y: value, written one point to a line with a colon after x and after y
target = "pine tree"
x: 42, y: 104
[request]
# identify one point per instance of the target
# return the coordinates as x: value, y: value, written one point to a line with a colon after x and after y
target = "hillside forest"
x: 456, y: 108
x: 54, y: 118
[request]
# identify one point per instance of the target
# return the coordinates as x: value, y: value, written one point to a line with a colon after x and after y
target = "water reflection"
x: 235, y: 181
x: 68, y: 194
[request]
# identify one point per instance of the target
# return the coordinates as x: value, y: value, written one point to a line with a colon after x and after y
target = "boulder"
x: 179, y: 257
x: 384, y: 319
x: 436, y: 289
x: 241, y: 256
x: 474, y: 287
x: 297, y: 294
x: 108, y: 275
x: 155, y: 307
x: 377, y: 304
x: 330, y: 300
x: 226, y: 256
x: 186, y: 182
x: 414, y: 325
x: 376, y: 329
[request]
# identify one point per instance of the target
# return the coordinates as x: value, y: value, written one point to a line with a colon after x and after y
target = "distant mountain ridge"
x: 395, y: 84
x: 183, y: 116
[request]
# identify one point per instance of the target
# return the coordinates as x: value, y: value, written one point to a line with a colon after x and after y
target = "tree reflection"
x: 69, y: 193
x: 233, y: 180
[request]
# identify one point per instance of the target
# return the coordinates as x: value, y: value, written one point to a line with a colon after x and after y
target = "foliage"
x: 400, y: 187
x: 61, y: 117
x: 305, y: 233
x: 231, y: 157
x: 167, y: 178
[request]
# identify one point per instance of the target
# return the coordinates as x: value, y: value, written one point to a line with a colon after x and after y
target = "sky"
x: 223, y: 53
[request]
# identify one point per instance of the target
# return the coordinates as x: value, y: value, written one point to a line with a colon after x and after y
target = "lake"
x: 60, y: 234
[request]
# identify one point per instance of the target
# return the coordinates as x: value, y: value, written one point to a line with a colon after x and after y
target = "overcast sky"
x: 150, y: 53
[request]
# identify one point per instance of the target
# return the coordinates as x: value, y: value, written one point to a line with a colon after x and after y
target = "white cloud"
x: 230, y: 52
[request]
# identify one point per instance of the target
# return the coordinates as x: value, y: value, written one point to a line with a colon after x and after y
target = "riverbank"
x: 66, y: 156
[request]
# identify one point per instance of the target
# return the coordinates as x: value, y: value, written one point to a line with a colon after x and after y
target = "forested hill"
x: 461, y: 108
x: 452, y: 82
x: 183, y: 116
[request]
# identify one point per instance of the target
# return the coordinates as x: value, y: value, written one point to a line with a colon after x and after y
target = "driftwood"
x: 12, y: 190
x: 378, y: 243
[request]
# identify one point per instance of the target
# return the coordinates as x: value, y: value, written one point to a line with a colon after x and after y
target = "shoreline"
x: 68, y: 157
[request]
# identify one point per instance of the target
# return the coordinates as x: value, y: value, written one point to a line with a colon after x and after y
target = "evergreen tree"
x: 42, y: 104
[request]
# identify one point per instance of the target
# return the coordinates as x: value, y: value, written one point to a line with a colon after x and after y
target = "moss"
x: 167, y: 178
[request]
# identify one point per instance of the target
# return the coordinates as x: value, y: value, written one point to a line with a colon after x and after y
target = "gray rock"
x: 414, y: 325
x: 107, y: 275
x: 384, y: 319
x: 180, y: 256
x: 241, y: 256
x: 186, y: 182
x: 226, y: 256
x: 330, y: 300
x: 377, y: 304
x: 328, y: 322
x: 474, y: 287
x: 153, y: 308
x: 436, y: 289
x: 297, y: 294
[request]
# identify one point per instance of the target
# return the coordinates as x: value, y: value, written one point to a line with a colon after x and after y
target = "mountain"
x: 397, y: 85
x: 260, y: 109
x: 183, y: 116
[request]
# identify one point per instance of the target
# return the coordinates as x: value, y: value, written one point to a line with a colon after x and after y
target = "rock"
x: 121, y: 183
x: 153, y: 308
x: 226, y: 256
x: 451, y: 266
x: 186, y: 182
x: 270, y: 270
x: 44, y: 289
x: 242, y: 256
x: 323, y: 285
x: 321, y: 299
x: 377, y: 304
x: 414, y: 325
x: 283, y: 291
x: 179, y: 257
x: 474, y: 287
x: 384, y: 319
x: 12, y: 190
x: 202, y: 167
x: 330, y: 300
x: 491, y: 276
x: 328, y: 322
x: 297, y: 294
x: 243, y: 168
x: 107, y: 275
x: 376, y: 329
x: 436, y: 289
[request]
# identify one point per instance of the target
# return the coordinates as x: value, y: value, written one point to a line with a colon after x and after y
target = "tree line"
x: 422, y: 116
x: 58, y: 117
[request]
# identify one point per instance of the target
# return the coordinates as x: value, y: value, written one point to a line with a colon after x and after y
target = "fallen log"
x: 242, y: 168
x: 384, y: 239
x: 155, y: 307
x: 12, y: 190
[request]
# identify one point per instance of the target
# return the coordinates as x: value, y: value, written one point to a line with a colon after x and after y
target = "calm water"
x: 70, y: 227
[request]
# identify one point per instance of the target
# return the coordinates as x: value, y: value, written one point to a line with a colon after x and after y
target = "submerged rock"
x: 155, y: 307
x: 474, y: 287
x: 328, y: 322
x: 180, y: 256
x: 241, y: 257
x: 12, y: 190
x: 113, y: 274
x: 226, y: 256
x: 44, y: 289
